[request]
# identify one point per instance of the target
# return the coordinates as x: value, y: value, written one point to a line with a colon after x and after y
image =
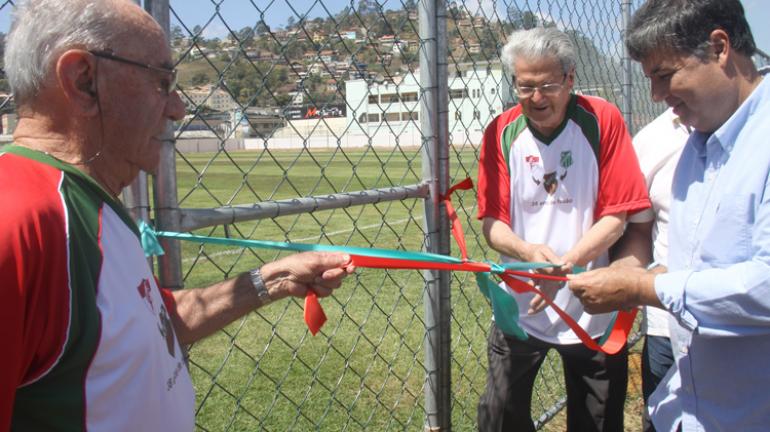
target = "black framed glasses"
x: 548, y: 89
x: 166, y: 87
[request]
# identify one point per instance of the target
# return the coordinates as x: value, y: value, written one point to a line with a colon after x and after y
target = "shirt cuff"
x: 670, y: 287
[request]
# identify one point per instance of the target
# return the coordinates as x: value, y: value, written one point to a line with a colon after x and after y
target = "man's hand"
x: 294, y: 275
x: 543, y: 253
x: 534, y: 252
x: 609, y: 289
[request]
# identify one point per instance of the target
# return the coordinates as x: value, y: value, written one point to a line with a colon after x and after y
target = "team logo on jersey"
x: 550, y: 181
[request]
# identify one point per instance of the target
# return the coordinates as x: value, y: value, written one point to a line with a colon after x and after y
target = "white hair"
x: 43, y: 29
x: 536, y: 43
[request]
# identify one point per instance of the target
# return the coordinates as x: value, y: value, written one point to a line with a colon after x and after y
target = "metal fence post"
x: 628, y: 78
x: 433, y: 119
x: 167, y: 215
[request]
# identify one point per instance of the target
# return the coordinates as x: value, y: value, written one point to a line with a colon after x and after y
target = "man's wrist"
x: 260, y: 287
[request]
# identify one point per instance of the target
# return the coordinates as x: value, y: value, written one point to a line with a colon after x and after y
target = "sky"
x: 242, y: 13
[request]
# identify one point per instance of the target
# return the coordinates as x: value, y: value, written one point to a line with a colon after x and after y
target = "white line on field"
x: 333, y: 233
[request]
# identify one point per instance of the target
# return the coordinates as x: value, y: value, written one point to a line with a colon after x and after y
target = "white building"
x: 389, y: 113
x: 213, y: 97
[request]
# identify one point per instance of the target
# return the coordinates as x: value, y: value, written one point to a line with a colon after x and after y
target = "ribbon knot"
x: 149, y: 240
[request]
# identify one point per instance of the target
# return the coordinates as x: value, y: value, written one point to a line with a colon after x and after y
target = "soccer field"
x: 365, y: 370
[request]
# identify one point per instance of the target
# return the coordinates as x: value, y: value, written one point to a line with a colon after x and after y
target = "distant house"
x: 210, y: 96
x: 349, y: 34
x: 386, y: 41
x: 327, y: 56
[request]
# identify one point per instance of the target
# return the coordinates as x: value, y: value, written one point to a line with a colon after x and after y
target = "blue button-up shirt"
x: 718, y: 285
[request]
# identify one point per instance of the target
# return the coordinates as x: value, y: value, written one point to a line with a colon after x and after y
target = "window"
x: 492, y: 90
x: 374, y: 99
x: 458, y: 93
x: 458, y: 115
x: 409, y: 97
x: 392, y: 117
x: 389, y: 98
x: 362, y: 118
x: 476, y: 114
x: 374, y: 118
x: 410, y: 115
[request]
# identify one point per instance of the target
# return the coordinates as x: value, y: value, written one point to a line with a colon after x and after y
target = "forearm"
x: 603, y: 234
x: 501, y: 238
x: 201, y: 312
x: 634, y: 248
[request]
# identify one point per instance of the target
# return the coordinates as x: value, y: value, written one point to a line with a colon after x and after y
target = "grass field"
x: 365, y: 370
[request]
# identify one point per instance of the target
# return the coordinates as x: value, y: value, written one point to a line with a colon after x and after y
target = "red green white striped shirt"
x: 91, y: 344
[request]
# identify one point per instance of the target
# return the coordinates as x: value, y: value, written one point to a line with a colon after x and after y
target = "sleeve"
x: 168, y: 299
x: 494, y: 181
x: 734, y: 299
x: 33, y: 264
x: 622, y: 187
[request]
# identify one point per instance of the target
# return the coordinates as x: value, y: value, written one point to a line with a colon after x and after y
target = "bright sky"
x: 242, y: 13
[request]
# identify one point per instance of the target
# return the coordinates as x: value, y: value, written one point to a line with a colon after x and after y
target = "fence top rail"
x: 194, y: 218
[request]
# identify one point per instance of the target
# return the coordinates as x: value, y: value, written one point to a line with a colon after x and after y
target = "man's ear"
x: 720, y: 45
x: 76, y: 77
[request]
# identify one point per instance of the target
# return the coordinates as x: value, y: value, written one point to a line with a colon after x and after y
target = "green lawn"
x: 365, y: 370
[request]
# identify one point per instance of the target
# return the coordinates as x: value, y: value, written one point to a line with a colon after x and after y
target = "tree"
x: 261, y: 28
x: 200, y: 78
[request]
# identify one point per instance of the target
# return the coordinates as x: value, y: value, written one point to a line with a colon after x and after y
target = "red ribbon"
x: 315, y: 316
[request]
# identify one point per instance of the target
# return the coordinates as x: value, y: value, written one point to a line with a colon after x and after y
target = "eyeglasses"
x: 166, y: 87
x: 550, y: 89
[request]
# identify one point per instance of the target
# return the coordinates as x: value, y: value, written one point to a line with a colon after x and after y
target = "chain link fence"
x: 342, y: 122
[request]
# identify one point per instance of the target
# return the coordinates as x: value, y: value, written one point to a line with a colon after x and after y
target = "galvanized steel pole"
x: 136, y: 197
x: 434, y: 128
x: 628, y: 78
x: 164, y: 185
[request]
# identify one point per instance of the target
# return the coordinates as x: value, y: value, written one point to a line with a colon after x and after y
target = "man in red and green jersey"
x: 92, y: 343
x: 557, y: 177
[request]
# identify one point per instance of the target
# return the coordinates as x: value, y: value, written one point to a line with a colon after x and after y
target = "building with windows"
x: 477, y: 93
x: 210, y: 96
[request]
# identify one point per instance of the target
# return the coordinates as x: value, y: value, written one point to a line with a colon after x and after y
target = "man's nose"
x: 175, y: 109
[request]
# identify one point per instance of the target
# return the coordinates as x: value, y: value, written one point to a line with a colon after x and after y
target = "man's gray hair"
x: 43, y: 29
x: 536, y: 43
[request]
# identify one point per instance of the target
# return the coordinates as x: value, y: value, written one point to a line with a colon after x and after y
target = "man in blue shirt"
x: 697, y: 55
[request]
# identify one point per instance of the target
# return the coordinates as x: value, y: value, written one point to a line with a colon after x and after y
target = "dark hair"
x: 685, y: 26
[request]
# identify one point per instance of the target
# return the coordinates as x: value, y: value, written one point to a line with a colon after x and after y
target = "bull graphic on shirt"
x: 550, y: 180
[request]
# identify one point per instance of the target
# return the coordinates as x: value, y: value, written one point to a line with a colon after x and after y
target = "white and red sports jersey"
x: 91, y: 343
x: 552, y: 190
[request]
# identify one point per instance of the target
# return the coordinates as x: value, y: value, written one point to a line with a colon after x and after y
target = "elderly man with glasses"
x: 557, y: 177
x: 92, y: 343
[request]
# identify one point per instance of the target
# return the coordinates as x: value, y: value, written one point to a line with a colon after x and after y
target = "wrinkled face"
x: 135, y: 104
x: 698, y: 90
x: 547, y: 106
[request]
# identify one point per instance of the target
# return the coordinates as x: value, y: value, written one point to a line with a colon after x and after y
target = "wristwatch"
x: 260, y: 287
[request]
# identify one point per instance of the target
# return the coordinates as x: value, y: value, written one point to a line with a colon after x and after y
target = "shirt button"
x: 683, y: 349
